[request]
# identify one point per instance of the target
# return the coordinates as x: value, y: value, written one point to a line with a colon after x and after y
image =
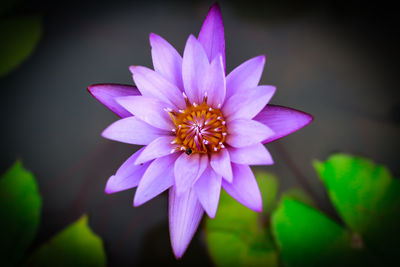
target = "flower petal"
x: 244, y: 187
x: 132, y: 130
x: 153, y: 84
x: 251, y: 155
x: 249, y: 104
x: 208, y: 189
x: 106, y: 94
x: 166, y: 60
x: 282, y: 120
x: 158, y: 177
x: 194, y: 67
x: 245, y: 76
x: 127, y: 176
x: 160, y: 147
x: 202, y: 165
x: 242, y: 132
x: 185, y: 213
x: 221, y: 163
x: 214, y: 84
x: 186, y: 168
x: 148, y: 109
x: 211, y: 35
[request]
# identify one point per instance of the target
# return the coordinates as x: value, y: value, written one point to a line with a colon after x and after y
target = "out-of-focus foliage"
x: 19, y: 36
x: 365, y: 195
x: 356, y: 188
x: 20, y: 205
x: 237, y: 236
x: 299, y: 195
x: 367, y: 198
x: 306, y: 237
x: 76, y: 245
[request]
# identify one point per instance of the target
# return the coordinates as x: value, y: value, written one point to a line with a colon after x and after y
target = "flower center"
x: 198, y: 128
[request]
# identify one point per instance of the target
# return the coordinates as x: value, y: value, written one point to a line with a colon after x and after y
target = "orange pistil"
x: 199, y: 128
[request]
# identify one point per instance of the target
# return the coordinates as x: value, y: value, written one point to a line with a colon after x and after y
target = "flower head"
x: 200, y: 128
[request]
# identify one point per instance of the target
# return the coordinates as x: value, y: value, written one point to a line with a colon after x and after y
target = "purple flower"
x: 200, y: 128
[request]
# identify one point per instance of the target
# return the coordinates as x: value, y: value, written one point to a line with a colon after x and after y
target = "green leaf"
x: 367, y: 198
x: 299, y: 195
x: 20, y: 36
x: 76, y: 245
x: 307, y: 237
x: 239, y: 236
x: 20, y: 205
x: 361, y: 191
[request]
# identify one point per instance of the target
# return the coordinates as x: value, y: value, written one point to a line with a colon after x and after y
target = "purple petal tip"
x: 108, y: 190
x: 192, y: 37
x: 90, y: 88
x: 259, y: 208
x: 136, y: 203
x: 308, y: 116
x: 132, y: 69
x: 282, y: 120
x: 215, y: 7
x: 104, y: 133
x: 153, y: 37
x: 178, y: 254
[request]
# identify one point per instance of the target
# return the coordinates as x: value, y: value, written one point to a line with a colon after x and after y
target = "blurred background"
x: 336, y: 60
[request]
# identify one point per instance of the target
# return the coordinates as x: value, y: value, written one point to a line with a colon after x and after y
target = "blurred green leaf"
x: 355, y: 187
x: 299, y: 195
x: 307, y: 237
x: 367, y: 198
x: 20, y: 36
x: 20, y: 205
x: 76, y: 245
x: 237, y: 236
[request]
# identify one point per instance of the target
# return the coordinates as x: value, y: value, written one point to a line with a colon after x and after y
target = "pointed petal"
x: 221, y: 163
x: 244, y: 187
x: 166, y: 60
x: 282, y: 120
x: 202, y: 165
x: 185, y: 213
x: 251, y: 155
x: 106, y: 94
x: 148, y: 109
x: 242, y: 132
x: 214, y: 83
x: 160, y: 147
x: 153, y: 84
x: 249, y: 104
x: 132, y: 130
x: 158, y: 177
x: 208, y: 189
x: 211, y: 35
x: 194, y: 67
x: 186, y: 168
x: 127, y: 176
x: 245, y: 76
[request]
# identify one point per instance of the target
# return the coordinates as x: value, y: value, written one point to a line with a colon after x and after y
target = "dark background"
x: 337, y: 60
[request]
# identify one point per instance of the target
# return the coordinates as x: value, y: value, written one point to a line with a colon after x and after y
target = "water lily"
x: 201, y: 128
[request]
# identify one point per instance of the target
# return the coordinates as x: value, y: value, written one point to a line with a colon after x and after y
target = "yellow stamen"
x: 199, y: 128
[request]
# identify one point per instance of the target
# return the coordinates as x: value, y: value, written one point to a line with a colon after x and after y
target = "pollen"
x: 199, y: 128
